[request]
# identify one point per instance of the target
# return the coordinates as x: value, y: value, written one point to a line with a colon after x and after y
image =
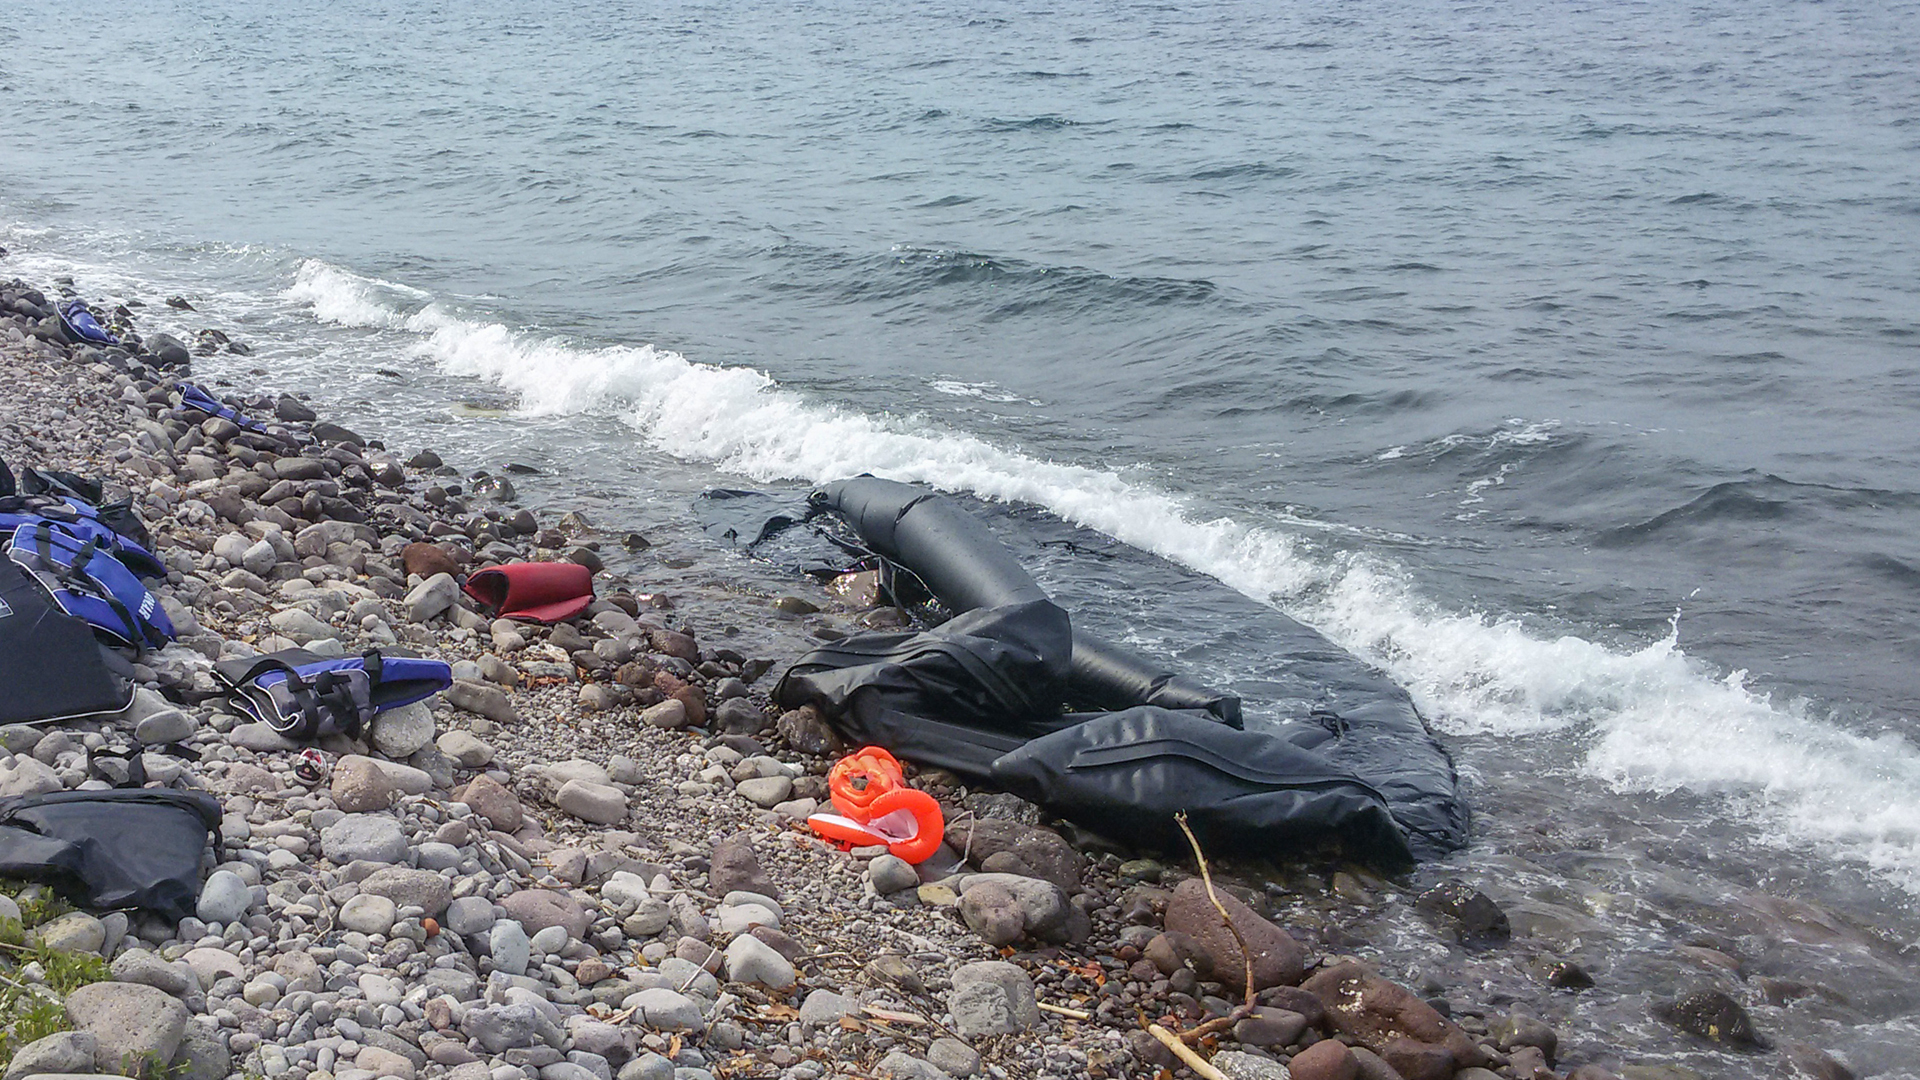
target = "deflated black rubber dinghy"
x: 963, y: 565
x: 984, y: 694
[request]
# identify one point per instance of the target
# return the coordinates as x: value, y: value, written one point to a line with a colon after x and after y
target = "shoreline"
x: 521, y: 714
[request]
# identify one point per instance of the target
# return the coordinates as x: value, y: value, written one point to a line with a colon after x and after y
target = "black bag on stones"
x: 50, y: 666
x: 120, y: 848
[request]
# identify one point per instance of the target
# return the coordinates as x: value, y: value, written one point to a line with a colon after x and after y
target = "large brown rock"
x: 360, y: 785
x: 1327, y: 1059
x: 734, y: 866
x: 491, y: 799
x: 428, y: 560
x: 674, y: 643
x: 1278, y: 960
x: 1018, y: 848
x: 537, y: 909
x: 1392, y: 1021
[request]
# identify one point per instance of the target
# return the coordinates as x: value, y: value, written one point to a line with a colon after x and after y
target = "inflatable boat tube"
x: 967, y: 568
x: 546, y: 592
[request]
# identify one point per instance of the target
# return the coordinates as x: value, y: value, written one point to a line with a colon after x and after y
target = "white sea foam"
x: 1659, y: 719
x: 338, y: 296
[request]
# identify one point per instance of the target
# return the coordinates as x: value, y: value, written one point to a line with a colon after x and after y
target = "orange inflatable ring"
x: 861, y: 778
x: 908, y: 821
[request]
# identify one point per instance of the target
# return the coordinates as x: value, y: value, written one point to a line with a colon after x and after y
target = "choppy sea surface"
x: 1562, y: 359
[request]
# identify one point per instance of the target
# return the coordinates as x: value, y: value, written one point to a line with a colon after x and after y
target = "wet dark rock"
x: 1378, y: 1013
x: 673, y: 643
x: 179, y: 303
x: 1815, y: 1063
x: 1565, y: 974
x: 1519, y: 1029
x: 1779, y: 992
x: 167, y: 349
x: 334, y: 433
x: 1711, y: 1015
x: 1414, y: 1059
x: 292, y: 410
x: 497, y: 488
x: 425, y: 459
x: 586, y: 557
x: 1295, y: 999
x: 1477, y: 916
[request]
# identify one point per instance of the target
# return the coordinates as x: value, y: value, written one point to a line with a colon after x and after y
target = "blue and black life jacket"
x: 80, y: 324
x: 305, y: 696
x: 90, y: 584
x: 192, y: 397
x: 114, y: 527
x: 61, y: 673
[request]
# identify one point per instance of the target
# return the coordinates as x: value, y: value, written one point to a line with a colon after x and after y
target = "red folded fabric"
x: 546, y: 592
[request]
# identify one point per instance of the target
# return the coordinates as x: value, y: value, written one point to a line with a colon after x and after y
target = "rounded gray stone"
x: 165, y: 726
x: 892, y: 874
x: 224, y: 898
x: 364, y: 837
x: 470, y: 915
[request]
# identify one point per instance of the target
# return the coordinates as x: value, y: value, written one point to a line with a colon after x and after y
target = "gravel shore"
x: 588, y: 859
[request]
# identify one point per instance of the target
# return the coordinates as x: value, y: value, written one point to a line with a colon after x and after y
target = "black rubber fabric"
x: 967, y: 568
x: 956, y: 696
x: 50, y: 665
x: 1126, y: 774
x: 122, y: 848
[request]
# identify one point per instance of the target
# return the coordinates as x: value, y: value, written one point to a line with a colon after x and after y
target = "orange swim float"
x: 876, y: 806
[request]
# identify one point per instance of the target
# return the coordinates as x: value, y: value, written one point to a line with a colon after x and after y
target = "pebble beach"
x: 588, y: 859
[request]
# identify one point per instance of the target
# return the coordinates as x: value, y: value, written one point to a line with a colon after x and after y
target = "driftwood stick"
x: 1062, y: 1010
x: 1245, y: 1009
x: 1185, y: 1053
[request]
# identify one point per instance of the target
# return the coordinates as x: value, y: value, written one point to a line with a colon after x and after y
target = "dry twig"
x: 1246, y: 1007
x: 1185, y: 1053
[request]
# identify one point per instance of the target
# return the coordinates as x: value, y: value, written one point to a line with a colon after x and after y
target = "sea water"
x: 1562, y: 359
